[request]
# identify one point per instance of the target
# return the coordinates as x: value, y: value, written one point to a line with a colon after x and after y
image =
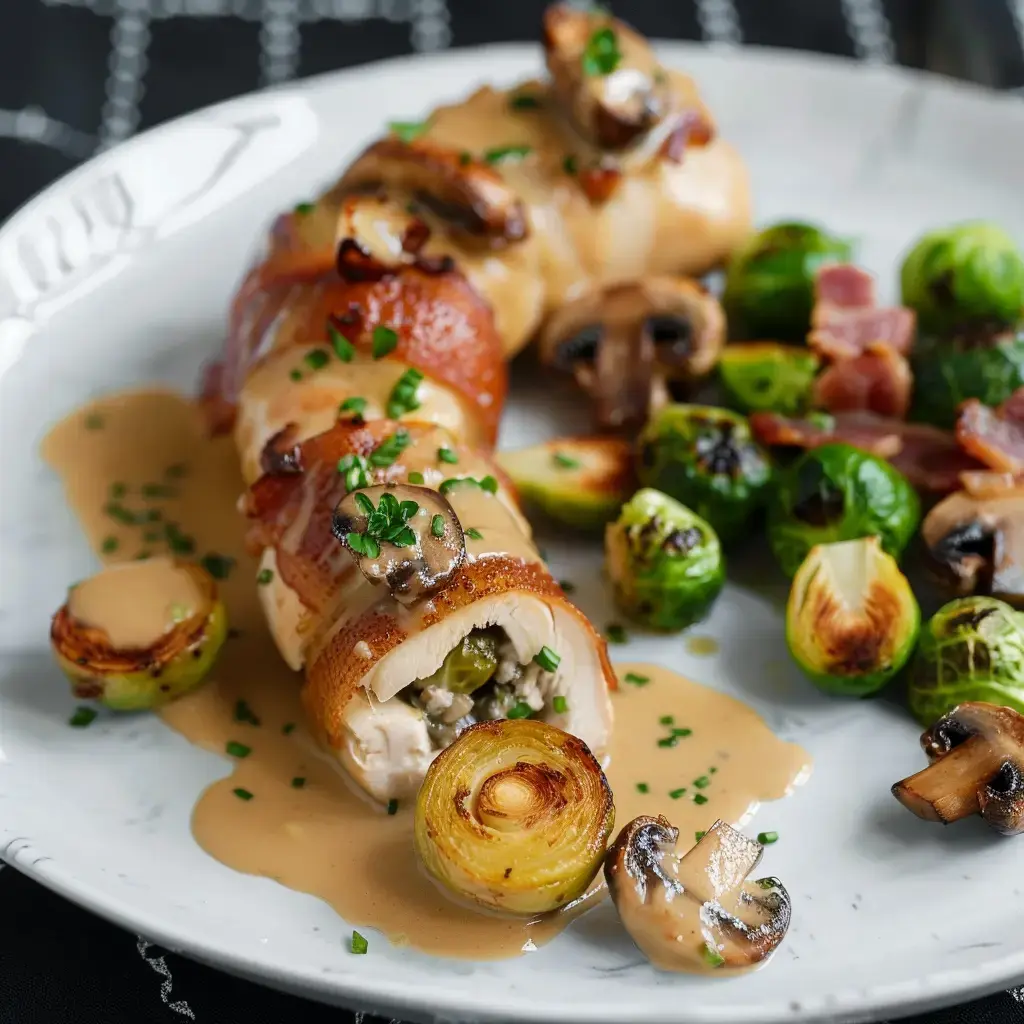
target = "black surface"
x: 59, y: 964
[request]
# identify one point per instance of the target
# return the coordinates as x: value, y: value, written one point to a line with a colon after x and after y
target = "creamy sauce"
x: 302, y: 825
x: 137, y: 603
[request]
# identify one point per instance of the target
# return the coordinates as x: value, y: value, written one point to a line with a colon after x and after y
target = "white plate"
x: 121, y: 273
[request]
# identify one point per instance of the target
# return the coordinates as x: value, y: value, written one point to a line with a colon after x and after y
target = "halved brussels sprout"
x: 468, y: 665
x: 972, y: 649
x: 579, y: 481
x: 138, y: 634
x: 838, y: 492
x: 764, y: 376
x: 515, y: 816
x: 852, y: 619
x: 769, y: 286
x: 707, y: 459
x: 962, y: 275
x: 664, y: 561
x: 985, y: 364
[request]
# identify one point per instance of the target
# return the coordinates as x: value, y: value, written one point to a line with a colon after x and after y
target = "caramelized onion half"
x: 515, y: 816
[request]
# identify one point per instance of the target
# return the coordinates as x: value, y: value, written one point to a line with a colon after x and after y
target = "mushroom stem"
x: 947, y: 790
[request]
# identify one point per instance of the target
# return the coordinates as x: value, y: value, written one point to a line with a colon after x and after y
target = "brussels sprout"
x: 838, y: 492
x: 467, y: 666
x: 769, y: 286
x: 984, y: 364
x: 707, y: 459
x: 665, y: 562
x: 139, y: 634
x: 763, y: 376
x: 964, y: 274
x: 852, y: 619
x: 972, y: 649
x: 579, y: 481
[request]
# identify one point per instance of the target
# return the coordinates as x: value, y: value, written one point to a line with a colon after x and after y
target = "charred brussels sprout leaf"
x: 837, y: 492
x: 962, y: 275
x: 769, y: 287
x: 763, y: 376
x: 852, y: 619
x: 971, y: 649
x: 707, y: 459
x: 664, y: 561
x: 467, y: 666
x: 982, y: 364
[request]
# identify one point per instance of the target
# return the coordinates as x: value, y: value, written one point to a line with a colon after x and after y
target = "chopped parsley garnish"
x: 390, y: 448
x: 295, y: 375
x: 520, y: 710
x: 447, y: 455
x: 180, y: 543
x: 354, y: 405
x: 387, y: 522
x: 298, y: 782
x: 392, y: 806
x: 699, y: 798
x: 601, y: 56
x: 636, y: 680
x: 702, y: 782
x: 359, y: 943
x: 416, y: 478
x: 355, y: 470
x: 567, y: 586
x: 343, y: 348
x: 218, y: 566
x: 302, y: 209
x: 547, y: 659
x: 437, y: 526
x: 288, y: 728
x: 317, y: 358
x: 264, y: 576
x: 767, y: 838
x: 176, y: 471
x: 642, y: 787
x: 157, y: 491
x: 403, y: 396
x: 615, y: 633
x: 668, y: 741
x: 675, y: 794
x: 109, y: 545
x: 564, y: 461
x: 384, y: 341
x: 408, y: 130
x: 711, y: 956
x: 94, y: 421
x: 82, y: 717
x: 570, y: 164
x: 121, y: 514
x: 244, y: 713
x: 237, y: 749
x: 524, y: 101
x: 682, y: 731
x: 118, y: 490
x: 242, y: 794
x: 560, y: 705
x: 474, y: 534
x: 666, y: 720
x: 502, y: 153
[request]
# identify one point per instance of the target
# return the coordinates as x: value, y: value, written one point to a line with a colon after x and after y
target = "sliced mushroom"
x: 976, y: 541
x: 470, y: 195
x: 977, y: 767
x: 696, y: 911
x: 624, y: 344
x: 605, y: 76
x: 282, y: 454
x: 404, y: 536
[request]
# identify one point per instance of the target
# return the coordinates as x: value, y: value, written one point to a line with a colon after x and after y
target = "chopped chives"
x: 355, y: 405
x: 447, y: 455
x: 118, y: 490
x: 385, y: 340
x: 702, y: 782
x: 547, y: 659
x: 699, y: 798
x: 501, y: 153
x: 489, y: 484
x: 180, y: 543
x: 615, y: 633
x: 636, y: 680
x: 560, y: 705
x: 218, y: 566
x: 682, y: 731
x: 601, y: 55
x: 237, y: 749
x: 82, y: 717
x: 437, y: 526
x: 175, y: 471
x: 359, y: 943
x: 564, y: 461
x: 288, y: 728
x: 302, y: 209
x: 408, y: 130
x: 157, y: 491
x: 465, y: 158
x: 570, y: 164
x: 642, y: 787
x: 416, y: 478
x: 143, y: 555
x: 567, y: 586
x: 110, y: 545
x: 524, y: 101
x: 264, y: 576
x: 666, y: 720
x: 94, y: 421
x: 712, y: 770
x: 520, y: 710
x: 668, y: 741
x: 404, y: 395
x: 698, y: 836
x: 356, y: 471
x: 298, y: 782
x: 343, y: 348
x: 242, y: 794
x: 179, y: 612
x: 244, y: 713
x: 295, y: 374
x: 317, y: 359
x: 675, y: 794
x: 767, y: 838
x: 711, y: 956
x: 389, y: 449
x: 474, y: 534
x: 392, y: 806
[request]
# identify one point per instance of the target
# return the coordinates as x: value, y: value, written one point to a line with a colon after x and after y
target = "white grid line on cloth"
x: 126, y: 68
x: 431, y: 25
x: 869, y: 29
x: 719, y: 22
x: 159, y: 964
x: 279, y: 42
x: 32, y: 125
x: 1017, y: 13
x: 303, y: 11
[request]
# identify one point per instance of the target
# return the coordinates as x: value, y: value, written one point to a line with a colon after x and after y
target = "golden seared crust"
x: 334, y: 676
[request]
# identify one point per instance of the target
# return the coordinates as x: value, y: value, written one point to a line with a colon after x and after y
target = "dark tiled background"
x: 76, y: 75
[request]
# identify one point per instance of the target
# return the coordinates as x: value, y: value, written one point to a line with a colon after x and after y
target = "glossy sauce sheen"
x: 302, y: 825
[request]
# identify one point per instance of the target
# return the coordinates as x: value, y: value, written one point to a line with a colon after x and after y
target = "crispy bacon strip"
x: 879, y: 381
x: 994, y: 436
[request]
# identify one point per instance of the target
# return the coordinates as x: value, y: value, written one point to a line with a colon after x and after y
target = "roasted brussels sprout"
x: 468, y: 665
x: 664, y: 561
x: 769, y: 286
x: 971, y: 649
x: 707, y: 459
x: 985, y: 364
x: 139, y: 634
x: 838, y: 492
x: 515, y: 815
x: 852, y: 619
x: 764, y: 376
x: 579, y: 481
x: 963, y: 275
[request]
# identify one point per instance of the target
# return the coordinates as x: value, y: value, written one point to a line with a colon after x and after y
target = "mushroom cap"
x: 699, y: 910
x: 422, y: 562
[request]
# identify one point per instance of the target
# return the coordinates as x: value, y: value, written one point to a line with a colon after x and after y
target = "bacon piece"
x: 878, y: 381
x: 845, y: 320
x: 928, y: 457
x: 995, y: 436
